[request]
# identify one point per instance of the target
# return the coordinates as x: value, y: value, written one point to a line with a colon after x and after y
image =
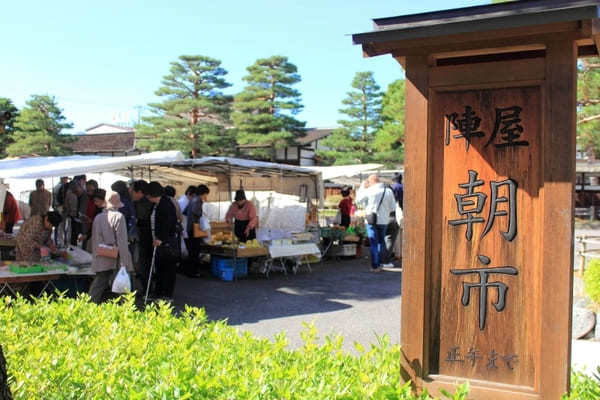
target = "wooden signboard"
x: 488, y: 205
x: 498, y: 233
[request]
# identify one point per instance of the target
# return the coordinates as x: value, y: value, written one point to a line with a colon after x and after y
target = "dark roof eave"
x: 450, y: 22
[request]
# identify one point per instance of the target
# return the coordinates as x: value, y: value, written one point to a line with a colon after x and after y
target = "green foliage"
x: 263, y: 113
x: 591, y: 278
x: 588, y: 105
x: 583, y: 387
x: 73, y: 349
x: 38, y: 129
x: 352, y: 143
x: 389, y: 140
x: 192, y: 117
x: 7, y: 125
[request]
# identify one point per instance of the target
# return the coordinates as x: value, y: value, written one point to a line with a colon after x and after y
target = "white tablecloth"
x: 292, y: 250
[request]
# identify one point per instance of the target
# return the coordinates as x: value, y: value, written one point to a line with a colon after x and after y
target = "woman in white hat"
x: 109, y: 231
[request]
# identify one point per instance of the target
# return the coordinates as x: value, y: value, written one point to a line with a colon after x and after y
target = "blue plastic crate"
x: 226, y: 273
x: 218, y: 263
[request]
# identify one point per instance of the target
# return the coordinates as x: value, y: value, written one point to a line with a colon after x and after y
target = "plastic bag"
x: 78, y: 256
x: 204, y: 224
x: 338, y: 218
x: 122, y: 283
x: 399, y: 216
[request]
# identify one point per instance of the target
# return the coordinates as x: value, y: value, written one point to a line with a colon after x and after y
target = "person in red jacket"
x: 11, y: 213
x: 345, y: 207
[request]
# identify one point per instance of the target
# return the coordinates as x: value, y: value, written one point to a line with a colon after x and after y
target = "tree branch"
x: 588, y: 102
x: 588, y: 119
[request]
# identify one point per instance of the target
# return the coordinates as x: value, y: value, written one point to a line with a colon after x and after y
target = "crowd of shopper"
x: 139, y: 226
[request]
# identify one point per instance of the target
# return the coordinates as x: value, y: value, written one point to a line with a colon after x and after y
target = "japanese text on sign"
x: 507, y: 124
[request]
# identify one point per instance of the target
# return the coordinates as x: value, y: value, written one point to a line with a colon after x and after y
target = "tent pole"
x: 229, y: 184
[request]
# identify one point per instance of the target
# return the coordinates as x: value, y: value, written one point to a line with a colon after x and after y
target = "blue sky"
x: 102, y: 59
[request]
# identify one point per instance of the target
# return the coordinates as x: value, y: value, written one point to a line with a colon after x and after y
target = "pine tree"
x: 38, y: 129
x: 8, y: 114
x: 193, y: 116
x: 264, y: 111
x: 352, y: 143
x: 588, y: 106
x: 389, y: 140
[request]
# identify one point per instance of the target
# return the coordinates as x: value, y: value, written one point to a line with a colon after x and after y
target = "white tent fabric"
x: 45, y: 167
x: 245, y: 164
x: 345, y: 170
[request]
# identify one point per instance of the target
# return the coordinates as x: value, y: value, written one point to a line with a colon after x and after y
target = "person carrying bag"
x: 109, y: 244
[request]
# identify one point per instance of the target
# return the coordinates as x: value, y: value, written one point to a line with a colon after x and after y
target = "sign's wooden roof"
x: 421, y: 29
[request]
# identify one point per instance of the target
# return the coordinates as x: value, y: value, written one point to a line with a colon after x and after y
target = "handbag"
x: 372, y: 218
x: 108, y: 251
x: 199, y: 233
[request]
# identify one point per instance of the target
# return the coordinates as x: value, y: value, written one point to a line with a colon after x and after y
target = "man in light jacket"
x: 377, y: 199
x: 110, y: 229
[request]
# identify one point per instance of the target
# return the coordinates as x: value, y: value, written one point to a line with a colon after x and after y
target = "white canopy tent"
x: 347, y: 171
x: 47, y: 167
x: 222, y: 175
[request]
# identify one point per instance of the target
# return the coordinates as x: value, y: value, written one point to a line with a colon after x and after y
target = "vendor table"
x: 7, y: 278
x: 234, y: 253
x: 298, y: 251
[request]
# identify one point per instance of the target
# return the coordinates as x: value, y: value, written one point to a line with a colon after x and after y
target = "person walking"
x: 40, y: 199
x: 109, y: 229
x: 163, y: 222
x: 394, y: 226
x: 378, y: 201
x: 398, y: 189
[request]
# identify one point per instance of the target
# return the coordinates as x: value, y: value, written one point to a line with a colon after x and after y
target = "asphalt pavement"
x: 339, y: 297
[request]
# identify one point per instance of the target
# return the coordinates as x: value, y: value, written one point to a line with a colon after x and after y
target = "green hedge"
x: 73, y: 349
x: 591, y: 279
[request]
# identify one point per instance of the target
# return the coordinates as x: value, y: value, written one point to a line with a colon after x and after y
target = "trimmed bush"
x: 73, y: 349
x: 591, y: 279
x: 584, y: 387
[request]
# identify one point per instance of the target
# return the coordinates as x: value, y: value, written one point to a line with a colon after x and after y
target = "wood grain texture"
x: 535, y: 324
x: 506, y: 332
x: 557, y: 224
x: 415, y: 256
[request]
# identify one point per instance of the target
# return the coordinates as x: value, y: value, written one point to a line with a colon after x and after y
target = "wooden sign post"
x: 490, y: 169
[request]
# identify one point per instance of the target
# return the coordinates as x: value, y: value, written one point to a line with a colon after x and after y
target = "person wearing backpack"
x: 378, y: 202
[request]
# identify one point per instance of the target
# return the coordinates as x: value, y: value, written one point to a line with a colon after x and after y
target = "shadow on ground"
x: 330, y: 287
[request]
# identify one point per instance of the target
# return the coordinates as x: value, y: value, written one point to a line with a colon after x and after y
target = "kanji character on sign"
x: 508, y: 122
x: 469, y: 199
x: 483, y: 286
x: 468, y: 126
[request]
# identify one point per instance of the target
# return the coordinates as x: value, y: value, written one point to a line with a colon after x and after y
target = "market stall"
x: 286, y: 198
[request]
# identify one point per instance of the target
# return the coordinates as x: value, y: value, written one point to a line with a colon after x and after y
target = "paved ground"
x: 342, y: 297
x: 339, y: 297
